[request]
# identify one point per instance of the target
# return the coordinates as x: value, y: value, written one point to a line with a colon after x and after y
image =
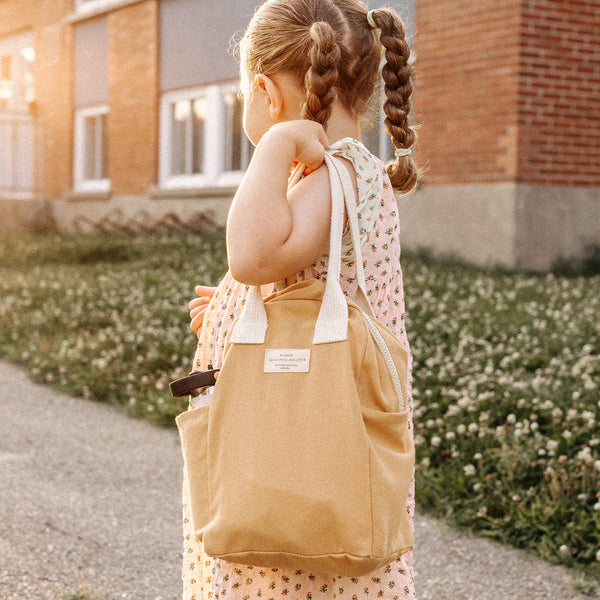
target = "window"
x: 17, y: 56
x: 91, y: 173
x: 202, y: 142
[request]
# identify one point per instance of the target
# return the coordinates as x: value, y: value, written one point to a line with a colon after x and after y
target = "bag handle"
x: 332, y: 322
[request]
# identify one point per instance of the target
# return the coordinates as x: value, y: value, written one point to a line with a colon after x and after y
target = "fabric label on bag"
x: 287, y: 361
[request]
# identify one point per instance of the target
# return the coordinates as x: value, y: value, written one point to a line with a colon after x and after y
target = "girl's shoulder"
x: 371, y: 177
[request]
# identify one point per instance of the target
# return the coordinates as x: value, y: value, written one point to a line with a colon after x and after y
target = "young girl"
x: 309, y: 69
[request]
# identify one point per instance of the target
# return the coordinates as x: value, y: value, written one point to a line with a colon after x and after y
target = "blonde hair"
x: 331, y: 48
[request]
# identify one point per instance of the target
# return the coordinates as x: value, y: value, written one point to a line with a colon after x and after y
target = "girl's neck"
x: 342, y: 125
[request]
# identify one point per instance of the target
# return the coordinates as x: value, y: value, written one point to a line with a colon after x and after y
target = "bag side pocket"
x: 392, y: 463
x: 193, y: 432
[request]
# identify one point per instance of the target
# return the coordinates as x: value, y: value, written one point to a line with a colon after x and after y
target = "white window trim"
x: 81, y: 183
x: 84, y: 9
x: 214, y: 140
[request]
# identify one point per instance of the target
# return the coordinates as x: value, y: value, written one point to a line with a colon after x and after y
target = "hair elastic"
x: 371, y: 20
x: 403, y: 152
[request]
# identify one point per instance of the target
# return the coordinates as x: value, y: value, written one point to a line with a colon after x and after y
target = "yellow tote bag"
x: 303, y: 459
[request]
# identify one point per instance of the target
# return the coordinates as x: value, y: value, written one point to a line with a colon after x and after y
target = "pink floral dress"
x: 205, y: 578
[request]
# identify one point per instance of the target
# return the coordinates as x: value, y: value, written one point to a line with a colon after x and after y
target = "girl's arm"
x: 273, y: 234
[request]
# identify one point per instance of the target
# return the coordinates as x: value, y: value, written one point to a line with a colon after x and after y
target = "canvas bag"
x: 303, y: 459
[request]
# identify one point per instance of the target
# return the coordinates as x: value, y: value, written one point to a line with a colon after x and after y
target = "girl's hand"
x: 309, y: 139
x: 198, y: 307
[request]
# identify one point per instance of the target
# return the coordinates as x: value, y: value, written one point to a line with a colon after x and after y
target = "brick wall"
x: 508, y: 91
x: 53, y: 85
x: 559, y: 95
x: 467, y: 60
x: 133, y: 98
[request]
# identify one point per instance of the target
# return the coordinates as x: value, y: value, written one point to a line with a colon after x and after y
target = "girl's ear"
x: 273, y: 95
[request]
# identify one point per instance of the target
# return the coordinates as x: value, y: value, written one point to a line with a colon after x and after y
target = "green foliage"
x: 106, y: 317
x: 506, y: 369
x: 506, y: 376
x: 81, y: 593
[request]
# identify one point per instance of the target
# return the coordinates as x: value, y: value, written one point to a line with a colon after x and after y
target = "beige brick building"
x: 123, y: 114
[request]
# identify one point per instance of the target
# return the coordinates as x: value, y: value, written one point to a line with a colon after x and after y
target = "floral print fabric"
x: 208, y: 579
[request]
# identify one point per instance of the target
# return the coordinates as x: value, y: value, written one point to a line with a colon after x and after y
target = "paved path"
x: 90, y: 497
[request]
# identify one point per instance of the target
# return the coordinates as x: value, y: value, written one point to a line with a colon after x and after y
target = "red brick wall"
x: 467, y: 60
x: 559, y: 96
x: 133, y: 98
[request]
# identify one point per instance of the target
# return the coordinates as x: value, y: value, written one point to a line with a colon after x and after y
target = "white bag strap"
x: 360, y: 296
x: 332, y: 322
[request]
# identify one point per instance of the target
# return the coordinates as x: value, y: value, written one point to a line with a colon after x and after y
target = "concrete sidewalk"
x: 90, y: 497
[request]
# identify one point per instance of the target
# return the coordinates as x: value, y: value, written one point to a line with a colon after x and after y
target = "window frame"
x: 81, y: 183
x: 90, y: 8
x: 214, y: 174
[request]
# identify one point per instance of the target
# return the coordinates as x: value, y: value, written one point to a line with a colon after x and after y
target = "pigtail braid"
x: 322, y: 75
x: 398, y: 78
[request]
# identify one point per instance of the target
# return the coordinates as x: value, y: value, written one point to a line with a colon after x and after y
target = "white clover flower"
x: 552, y: 445
x: 477, y: 456
x: 567, y: 435
x: 450, y: 435
x: 585, y: 456
x: 597, y: 465
x: 469, y: 470
x: 460, y: 429
x: 473, y: 427
x: 511, y: 419
x: 597, y: 506
x: 426, y: 462
x: 436, y: 441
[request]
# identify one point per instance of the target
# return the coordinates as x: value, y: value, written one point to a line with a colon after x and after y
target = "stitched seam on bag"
x: 361, y: 371
x: 364, y: 356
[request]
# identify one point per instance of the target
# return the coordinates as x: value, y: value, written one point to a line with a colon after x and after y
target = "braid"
x: 322, y: 75
x: 398, y: 76
x: 360, y: 64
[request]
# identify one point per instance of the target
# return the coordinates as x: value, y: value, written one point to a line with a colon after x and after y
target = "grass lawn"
x: 506, y: 369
